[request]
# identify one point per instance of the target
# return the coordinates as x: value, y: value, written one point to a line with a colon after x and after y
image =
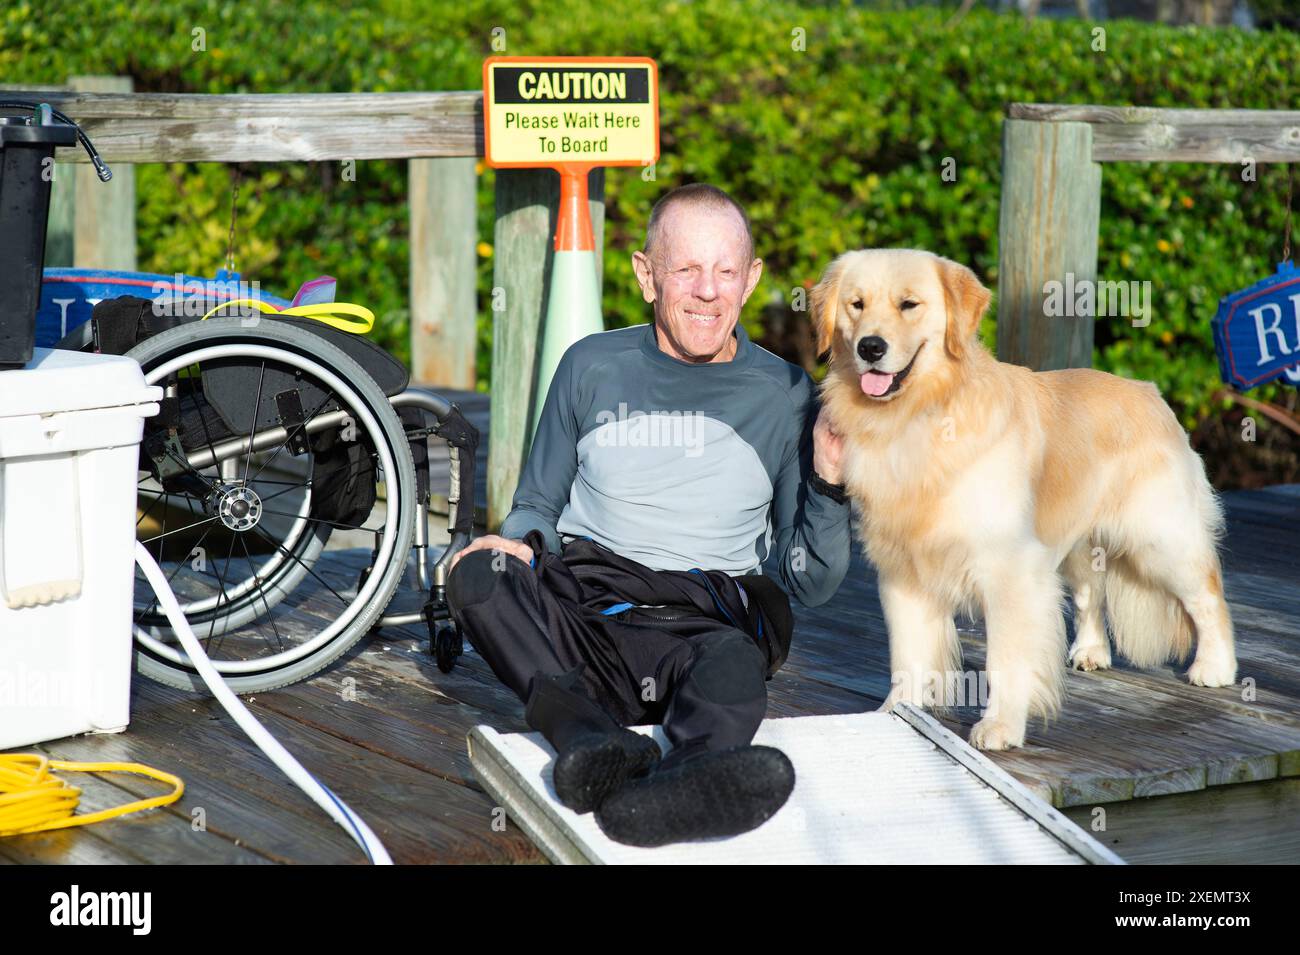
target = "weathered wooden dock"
x: 1158, y: 770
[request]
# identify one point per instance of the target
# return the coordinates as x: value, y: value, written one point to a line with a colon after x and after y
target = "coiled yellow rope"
x: 33, y: 799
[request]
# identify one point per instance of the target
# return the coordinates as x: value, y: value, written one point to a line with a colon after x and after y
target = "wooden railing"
x: 1051, y: 200
x: 92, y: 224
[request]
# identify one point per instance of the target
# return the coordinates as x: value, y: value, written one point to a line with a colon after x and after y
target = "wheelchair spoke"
x: 145, y: 512
x: 323, y: 582
x: 171, y: 578
x: 162, y: 544
x: 167, y: 533
x: 180, y: 565
x: 327, y: 523
x: 252, y: 428
x: 295, y: 487
x: 222, y: 582
x: 269, y: 615
x: 194, y: 399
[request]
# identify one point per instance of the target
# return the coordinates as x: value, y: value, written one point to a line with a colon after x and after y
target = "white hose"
x: 268, y: 744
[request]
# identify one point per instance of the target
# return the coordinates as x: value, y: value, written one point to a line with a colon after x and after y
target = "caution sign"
x: 546, y: 111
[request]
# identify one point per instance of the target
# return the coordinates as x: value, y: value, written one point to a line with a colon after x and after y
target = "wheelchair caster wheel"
x: 447, y: 646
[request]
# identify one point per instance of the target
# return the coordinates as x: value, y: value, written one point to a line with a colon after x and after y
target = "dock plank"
x: 386, y: 729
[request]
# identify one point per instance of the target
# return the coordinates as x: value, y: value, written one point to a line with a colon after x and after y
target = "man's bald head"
x: 698, y: 269
x: 700, y: 195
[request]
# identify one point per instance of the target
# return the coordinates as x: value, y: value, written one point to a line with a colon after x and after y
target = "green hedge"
x: 837, y: 146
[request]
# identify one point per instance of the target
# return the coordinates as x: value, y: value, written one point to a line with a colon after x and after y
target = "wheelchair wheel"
x: 230, y: 501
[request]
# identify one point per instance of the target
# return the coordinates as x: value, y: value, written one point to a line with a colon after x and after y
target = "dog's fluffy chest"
x: 930, y: 501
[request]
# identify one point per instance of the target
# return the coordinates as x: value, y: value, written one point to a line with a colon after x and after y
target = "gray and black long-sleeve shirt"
x: 679, y: 465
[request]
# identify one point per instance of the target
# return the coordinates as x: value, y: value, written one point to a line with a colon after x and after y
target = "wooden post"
x: 1051, y: 209
x: 527, y: 202
x: 104, y: 234
x: 596, y: 197
x: 444, y: 230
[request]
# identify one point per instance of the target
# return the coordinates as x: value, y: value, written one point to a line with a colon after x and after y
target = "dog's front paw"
x: 1092, y: 657
x: 991, y: 734
x: 1212, y: 672
x: 888, y: 706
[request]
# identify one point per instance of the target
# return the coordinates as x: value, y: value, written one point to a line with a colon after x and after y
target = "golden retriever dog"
x: 981, y: 485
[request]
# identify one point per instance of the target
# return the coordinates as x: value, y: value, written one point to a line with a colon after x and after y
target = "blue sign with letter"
x: 1257, y: 331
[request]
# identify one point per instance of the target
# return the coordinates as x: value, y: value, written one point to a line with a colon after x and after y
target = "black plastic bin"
x: 26, y: 143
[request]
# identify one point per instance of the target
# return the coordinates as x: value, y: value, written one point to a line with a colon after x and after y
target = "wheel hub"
x: 239, y: 507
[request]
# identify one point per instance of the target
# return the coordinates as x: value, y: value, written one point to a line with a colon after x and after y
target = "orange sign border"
x: 571, y: 61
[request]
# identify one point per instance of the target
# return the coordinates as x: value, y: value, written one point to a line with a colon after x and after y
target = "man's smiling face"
x: 699, y: 275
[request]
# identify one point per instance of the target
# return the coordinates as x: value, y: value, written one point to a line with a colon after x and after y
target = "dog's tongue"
x: 876, y: 383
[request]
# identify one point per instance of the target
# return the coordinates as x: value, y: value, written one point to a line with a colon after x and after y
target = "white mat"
x: 870, y: 788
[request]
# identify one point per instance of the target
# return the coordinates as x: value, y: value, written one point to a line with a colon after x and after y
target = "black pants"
x: 698, y: 666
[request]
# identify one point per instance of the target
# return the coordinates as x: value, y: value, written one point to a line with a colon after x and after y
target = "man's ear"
x: 645, y: 275
x: 824, y: 303
x: 965, y: 299
x: 751, y: 280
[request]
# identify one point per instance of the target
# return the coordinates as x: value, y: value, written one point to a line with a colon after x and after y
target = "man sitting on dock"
x: 673, y: 463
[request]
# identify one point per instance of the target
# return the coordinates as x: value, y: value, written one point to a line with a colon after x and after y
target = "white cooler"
x: 70, y: 427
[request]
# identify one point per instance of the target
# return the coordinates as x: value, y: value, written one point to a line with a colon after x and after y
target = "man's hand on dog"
x: 828, y: 448
x: 495, y: 542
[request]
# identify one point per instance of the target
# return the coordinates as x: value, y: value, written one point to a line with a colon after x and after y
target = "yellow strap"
x: 33, y: 799
x: 331, y: 313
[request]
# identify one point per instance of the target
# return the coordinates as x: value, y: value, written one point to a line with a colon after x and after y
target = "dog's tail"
x: 1148, y: 623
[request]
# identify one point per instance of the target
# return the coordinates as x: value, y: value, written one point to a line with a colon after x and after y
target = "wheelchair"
x: 274, y: 434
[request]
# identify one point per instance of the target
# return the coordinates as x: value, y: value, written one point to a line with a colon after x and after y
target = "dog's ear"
x: 824, y: 303
x: 966, y: 300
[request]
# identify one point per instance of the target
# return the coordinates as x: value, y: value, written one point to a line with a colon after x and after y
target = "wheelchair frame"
x: 446, y: 643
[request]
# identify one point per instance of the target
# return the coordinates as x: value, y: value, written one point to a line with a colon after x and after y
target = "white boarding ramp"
x: 870, y: 788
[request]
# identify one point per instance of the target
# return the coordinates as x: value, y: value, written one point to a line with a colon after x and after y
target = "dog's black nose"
x: 872, y: 348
